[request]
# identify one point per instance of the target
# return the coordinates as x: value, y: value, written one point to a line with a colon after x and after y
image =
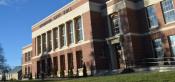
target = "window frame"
x: 79, y: 59
x: 49, y: 40
x: 55, y: 38
x: 70, y: 32
x: 39, y: 45
x: 158, y: 49
x: 150, y: 17
x: 79, y: 29
x: 170, y: 45
x: 63, y: 38
x: 113, y: 17
x: 44, y: 44
x: 167, y: 11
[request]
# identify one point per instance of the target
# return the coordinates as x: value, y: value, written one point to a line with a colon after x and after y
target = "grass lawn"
x: 134, y: 77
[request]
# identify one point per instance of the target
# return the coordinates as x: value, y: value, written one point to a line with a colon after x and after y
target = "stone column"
x: 66, y: 65
x: 59, y: 66
x: 41, y: 44
x: 65, y: 26
x: 59, y: 38
x: 74, y: 62
x: 74, y: 26
x: 52, y: 40
x: 74, y: 33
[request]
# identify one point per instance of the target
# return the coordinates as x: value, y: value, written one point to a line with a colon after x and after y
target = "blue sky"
x: 16, y: 19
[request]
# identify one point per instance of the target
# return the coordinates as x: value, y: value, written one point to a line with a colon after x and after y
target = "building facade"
x: 26, y: 60
x: 103, y: 35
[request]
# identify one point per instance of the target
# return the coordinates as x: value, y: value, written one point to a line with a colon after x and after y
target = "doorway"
x: 120, y: 59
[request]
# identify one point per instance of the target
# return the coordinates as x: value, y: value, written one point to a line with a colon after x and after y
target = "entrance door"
x: 119, y: 56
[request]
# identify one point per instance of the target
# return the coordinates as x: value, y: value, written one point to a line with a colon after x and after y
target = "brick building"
x: 102, y: 35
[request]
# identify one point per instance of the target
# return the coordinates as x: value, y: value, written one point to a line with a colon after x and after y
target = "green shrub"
x: 128, y: 70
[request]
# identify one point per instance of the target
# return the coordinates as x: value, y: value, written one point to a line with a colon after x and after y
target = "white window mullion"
x: 65, y: 34
x: 82, y: 28
x: 73, y: 21
x: 168, y: 8
x: 41, y: 44
x: 59, y: 40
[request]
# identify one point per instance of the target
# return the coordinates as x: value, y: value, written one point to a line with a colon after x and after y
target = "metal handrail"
x: 159, y: 61
x: 162, y: 58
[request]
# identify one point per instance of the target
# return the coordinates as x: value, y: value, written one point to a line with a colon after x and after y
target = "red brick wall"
x: 33, y: 47
x: 142, y: 44
x: 99, y: 31
x: 87, y: 26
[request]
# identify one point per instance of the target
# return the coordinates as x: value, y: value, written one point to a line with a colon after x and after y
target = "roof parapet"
x: 27, y: 46
x: 53, y: 14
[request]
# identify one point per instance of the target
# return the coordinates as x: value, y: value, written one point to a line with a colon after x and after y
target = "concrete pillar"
x: 75, y: 36
x: 73, y: 22
x: 66, y: 64
x: 65, y: 26
x: 74, y: 62
x: 41, y: 45
x: 59, y: 66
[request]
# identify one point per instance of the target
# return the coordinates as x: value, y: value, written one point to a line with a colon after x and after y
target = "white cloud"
x: 3, y: 2
x: 9, y: 2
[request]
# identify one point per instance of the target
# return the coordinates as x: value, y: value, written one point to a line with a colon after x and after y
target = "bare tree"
x: 2, y: 59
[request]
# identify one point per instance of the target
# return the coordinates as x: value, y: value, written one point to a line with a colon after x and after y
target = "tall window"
x: 152, y: 17
x: 55, y: 37
x: 25, y: 70
x: 43, y: 42
x: 172, y: 44
x: 79, y: 58
x: 158, y: 48
x: 62, y: 62
x: 26, y: 57
x: 28, y: 70
x: 29, y: 56
x: 168, y: 10
x: 62, y: 36
x: 49, y: 40
x: 70, y: 61
x: 70, y: 32
x: 55, y: 62
x: 115, y: 24
x: 39, y: 44
x: 79, y: 29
